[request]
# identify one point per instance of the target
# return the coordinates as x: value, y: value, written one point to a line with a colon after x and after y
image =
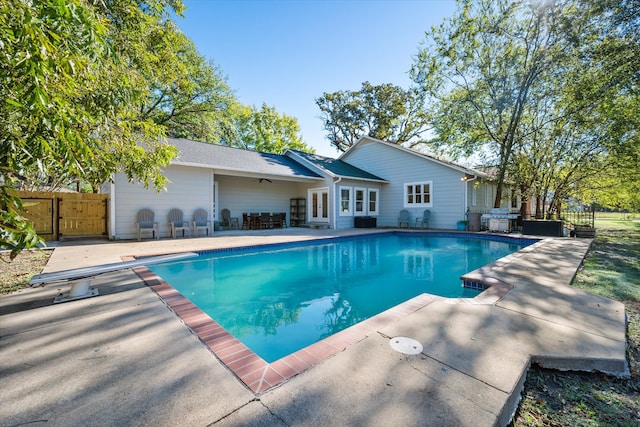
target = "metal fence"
x: 579, y: 218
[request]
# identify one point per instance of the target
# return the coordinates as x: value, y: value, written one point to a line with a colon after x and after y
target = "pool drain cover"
x: 405, y: 345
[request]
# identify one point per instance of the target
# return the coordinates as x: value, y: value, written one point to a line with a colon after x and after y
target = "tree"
x: 188, y: 95
x: 385, y: 112
x: 547, y: 92
x: 266, y: 130
x: 606, y: 94
x: 69, y: 98
x: 478, y: 68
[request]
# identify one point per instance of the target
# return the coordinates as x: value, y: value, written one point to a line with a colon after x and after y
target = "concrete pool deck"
x: 124, y: 358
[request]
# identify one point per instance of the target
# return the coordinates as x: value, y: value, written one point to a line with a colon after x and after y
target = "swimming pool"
x: 278, y: 299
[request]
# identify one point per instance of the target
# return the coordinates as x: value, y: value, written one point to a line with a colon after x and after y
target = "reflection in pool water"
x: 281, y: 299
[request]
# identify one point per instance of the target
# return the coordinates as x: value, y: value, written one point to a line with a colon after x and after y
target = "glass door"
x: 319, y: 211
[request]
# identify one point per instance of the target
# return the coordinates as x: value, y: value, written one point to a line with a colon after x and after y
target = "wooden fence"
x: 59, y: 215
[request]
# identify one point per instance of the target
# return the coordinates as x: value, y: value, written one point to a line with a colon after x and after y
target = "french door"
x: 319, y: 205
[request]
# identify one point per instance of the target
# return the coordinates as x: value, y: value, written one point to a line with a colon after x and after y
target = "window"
x: 514, y: 197
x: 418, y: 194
x: 373, y: 202
x: 345, y: 201
x: 359, y: 201
x: 474, y: 196
x: 487, y: 195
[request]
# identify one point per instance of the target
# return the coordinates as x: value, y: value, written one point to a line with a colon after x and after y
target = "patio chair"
x: 254, y: 221
x: 227, y: 221
x: 276, y: 221
x: 145, y: 222
x: 177, y: 223
x: 426, y: 215
x: 283, y: 218
x: 246, y: 223
x: 201, y: 222
x: 403, y: 218
x: 265, y: 220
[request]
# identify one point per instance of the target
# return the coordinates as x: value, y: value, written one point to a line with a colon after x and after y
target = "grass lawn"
x: 555, y: 398
x: 551, y: 398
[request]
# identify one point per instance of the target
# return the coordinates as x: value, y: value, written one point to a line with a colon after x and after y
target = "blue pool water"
x: 280, y: 299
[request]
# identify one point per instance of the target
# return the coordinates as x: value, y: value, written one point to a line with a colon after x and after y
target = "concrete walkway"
x: 123, y: 358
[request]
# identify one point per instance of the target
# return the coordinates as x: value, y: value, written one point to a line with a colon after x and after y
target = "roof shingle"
x: 238, y: 161
x: 337, y: 167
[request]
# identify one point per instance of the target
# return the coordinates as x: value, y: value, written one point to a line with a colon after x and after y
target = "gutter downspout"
x: 334, y: 218
x: 466, y: 180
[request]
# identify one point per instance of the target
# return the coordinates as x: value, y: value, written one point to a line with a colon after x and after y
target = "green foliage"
x: 188, y: 96
x: 72, y: 85
x: 16, y: 232
x: 267, y: 130
x: 601, y: 95
x: 612, y: 268
x: 478, y: 70
x: 545, y: 92
x: 385, y: 112
x: 92, y: 87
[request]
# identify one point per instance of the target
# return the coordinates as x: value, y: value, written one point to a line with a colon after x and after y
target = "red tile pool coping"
x: 260, y: 376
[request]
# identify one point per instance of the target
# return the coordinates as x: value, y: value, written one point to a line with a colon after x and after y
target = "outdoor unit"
x: 500, y: 225
x: 500, y: 220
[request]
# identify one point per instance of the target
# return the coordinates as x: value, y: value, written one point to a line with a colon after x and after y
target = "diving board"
x: 79, y: 273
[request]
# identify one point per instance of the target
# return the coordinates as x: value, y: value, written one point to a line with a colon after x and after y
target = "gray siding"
x: 241, y: 195
x: 485, y: 193
x: 189, y: 189
x: 347, y: 221
x: 400, y: 167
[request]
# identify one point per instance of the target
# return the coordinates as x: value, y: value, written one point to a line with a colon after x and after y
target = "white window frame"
x: 422, y: 204
x: 349, y: 211
x: 375, y: 211
x: 215, y: 204
x: 487, y: 192
x: 474, y: 195
x: 363, y: 209
x: 321, y: 207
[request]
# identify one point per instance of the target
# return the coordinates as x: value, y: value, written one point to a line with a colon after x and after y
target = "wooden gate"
x: 59, y: 215
x: 40, y: 212
x: 81, y: 214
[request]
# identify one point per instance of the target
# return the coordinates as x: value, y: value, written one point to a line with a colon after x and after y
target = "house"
x: 373, y: 178
x: 418, y: 181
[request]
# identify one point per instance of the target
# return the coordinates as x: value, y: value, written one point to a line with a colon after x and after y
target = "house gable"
x: 331, y: 167
x: 404, y: 168
x: 367, y: 140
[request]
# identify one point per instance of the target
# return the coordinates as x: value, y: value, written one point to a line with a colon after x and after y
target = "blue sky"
x: 287, y: 53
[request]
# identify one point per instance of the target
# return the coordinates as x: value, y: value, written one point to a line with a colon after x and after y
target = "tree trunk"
x: 501, y: 173
x: 524, y: 203
x: 496, y: 202
x: 539, y: 212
